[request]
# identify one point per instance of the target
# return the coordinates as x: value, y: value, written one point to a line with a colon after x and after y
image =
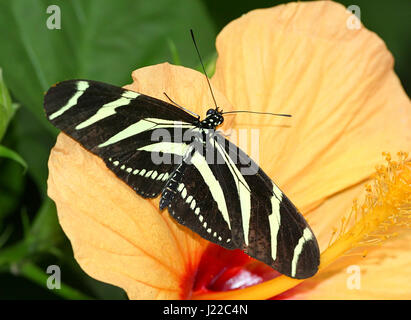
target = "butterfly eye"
x: 210, y: 111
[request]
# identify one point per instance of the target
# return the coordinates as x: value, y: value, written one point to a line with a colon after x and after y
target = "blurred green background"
x: 101, y: 40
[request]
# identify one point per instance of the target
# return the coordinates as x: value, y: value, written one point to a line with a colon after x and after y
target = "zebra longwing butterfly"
x: 211, y: 195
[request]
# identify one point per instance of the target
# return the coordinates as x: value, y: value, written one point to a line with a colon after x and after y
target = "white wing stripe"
x: 167, y: 147
x: 275, y: 219
x: 142, y: 126
x: 105, y: 111
x: 243, y: 189
x: 81, y: 87
x: 307, y: 235
x: 202, y: 166
x: 109, y: 109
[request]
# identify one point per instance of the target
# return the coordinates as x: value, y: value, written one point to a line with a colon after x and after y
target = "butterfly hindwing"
x: 194, y: 206
x: 139, y: 172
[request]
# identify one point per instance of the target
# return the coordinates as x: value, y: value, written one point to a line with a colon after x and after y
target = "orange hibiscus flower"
x: 347, y: 105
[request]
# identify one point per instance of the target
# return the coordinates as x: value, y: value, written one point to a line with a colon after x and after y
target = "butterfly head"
x: 213, y: 119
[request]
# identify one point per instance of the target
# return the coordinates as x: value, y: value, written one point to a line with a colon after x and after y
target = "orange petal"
x: 383, y: 274
x: 184, y: 86
x: 347, y: 103
x: 377, y: 264
x: 117, y: 236
x: 329, y: 214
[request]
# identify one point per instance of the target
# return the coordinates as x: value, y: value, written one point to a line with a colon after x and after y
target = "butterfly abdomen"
x: 172, y: 187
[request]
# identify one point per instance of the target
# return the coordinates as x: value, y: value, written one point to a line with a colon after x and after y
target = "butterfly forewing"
x: 274, y: 231
x: 118, y: 125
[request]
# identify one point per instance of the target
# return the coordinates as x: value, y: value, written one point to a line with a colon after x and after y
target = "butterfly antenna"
x: 202, y: 65
x: 256, y: 112
x: 181, y: 107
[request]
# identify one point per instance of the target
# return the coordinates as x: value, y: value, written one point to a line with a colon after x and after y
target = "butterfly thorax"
x: 213, y: 119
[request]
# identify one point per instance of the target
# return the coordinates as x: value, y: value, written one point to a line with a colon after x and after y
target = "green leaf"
x: 7, y: 108
x: 5, y: 235
x: 13, y: 254
x: 45, y: 232
x: 11, y: 186
x: 33, y: 143
x: 42, y: 236
x: 99, y: 39
x: 7, y: 153
x: 174, y: 52
x: 39, y: 276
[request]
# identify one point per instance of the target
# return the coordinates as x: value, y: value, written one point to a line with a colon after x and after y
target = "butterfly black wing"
x: 277, y: 232
x: 232, y: 202
x: 214, y: 198
x: 196, y: 199
x: 119, y: 125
